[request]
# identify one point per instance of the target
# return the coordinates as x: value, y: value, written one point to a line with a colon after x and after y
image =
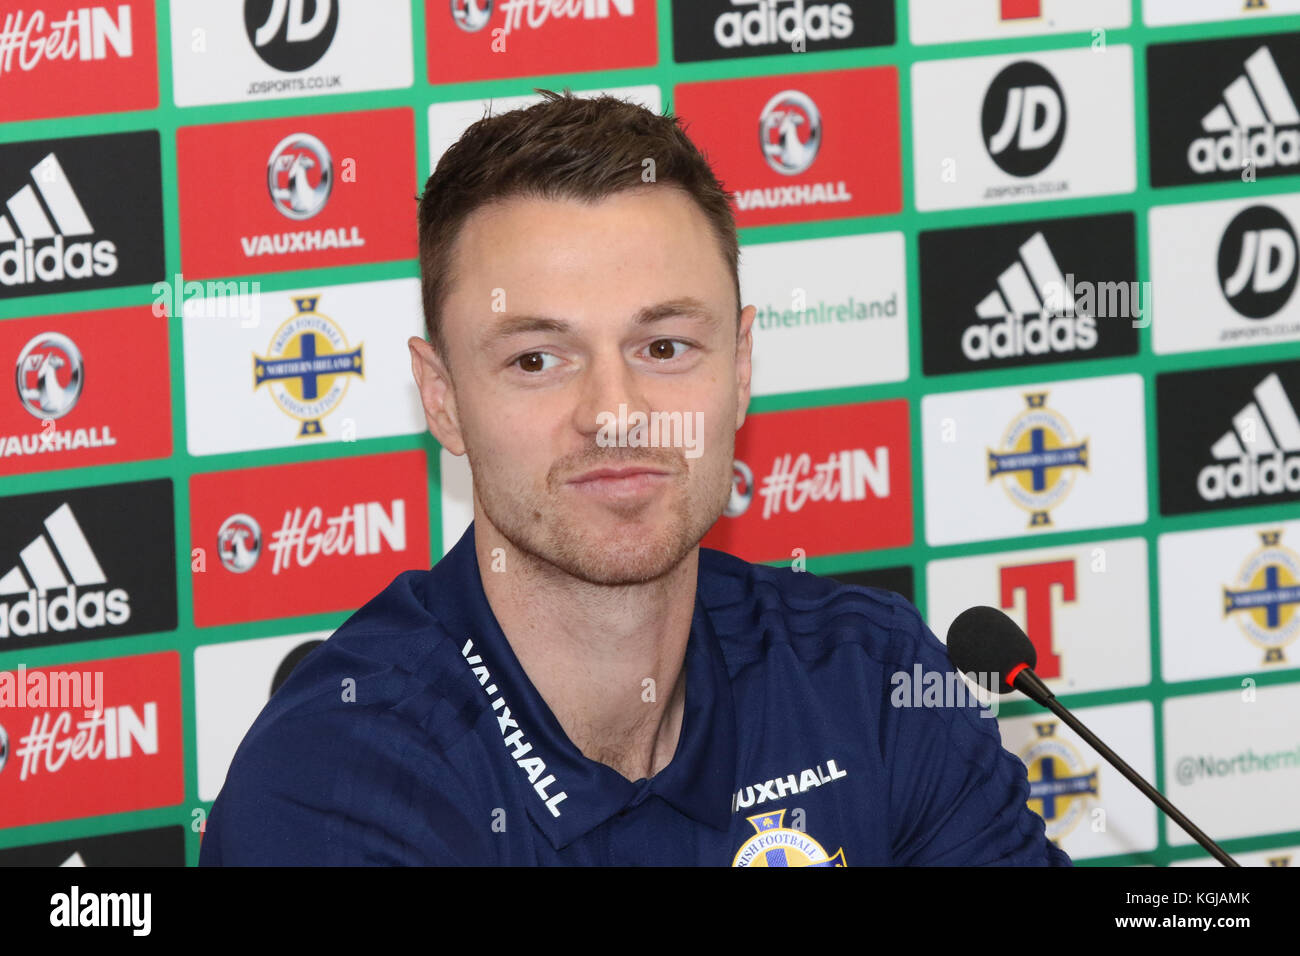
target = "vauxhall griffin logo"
x: 1260, y: 454
x: 1023, y: 119
x: 471, y: 15
x: 742, y: 489
x: 299, y: 180
x: 790, y: 132
x: 1257, y: 124
x: 40, y: 223
x: 291, y: 35
x: 61, y: 584
x: 50, y: 375
x: 300, y: 176
x: 1257, y: 262
x: 239, y: 543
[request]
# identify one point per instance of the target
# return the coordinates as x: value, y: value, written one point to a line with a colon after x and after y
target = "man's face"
x: 560, y: 312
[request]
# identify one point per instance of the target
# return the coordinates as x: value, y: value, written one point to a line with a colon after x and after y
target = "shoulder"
x: 756, y: 608
x: 380, y: 664
x: 329, y: 770
x: 954, y: 794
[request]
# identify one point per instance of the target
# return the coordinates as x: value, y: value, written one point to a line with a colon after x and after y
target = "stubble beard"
x: 625, y: 545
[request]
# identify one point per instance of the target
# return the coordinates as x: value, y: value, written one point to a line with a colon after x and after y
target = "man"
x: 577, y: 681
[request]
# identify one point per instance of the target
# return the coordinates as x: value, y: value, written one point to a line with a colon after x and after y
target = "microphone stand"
x: 1032, y: 686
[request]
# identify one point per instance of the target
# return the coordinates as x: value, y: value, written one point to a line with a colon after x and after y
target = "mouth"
x: 619, y: 483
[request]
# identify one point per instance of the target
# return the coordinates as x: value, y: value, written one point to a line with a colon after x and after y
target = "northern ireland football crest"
x: 1061, y: 786
x: 774, y: 844
x: 308, y: 366
x: 1039, y: 460
x: 1264, y: 599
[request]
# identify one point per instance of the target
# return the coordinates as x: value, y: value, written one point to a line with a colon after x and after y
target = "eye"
x: 532, y: 362
x: 657, y: 352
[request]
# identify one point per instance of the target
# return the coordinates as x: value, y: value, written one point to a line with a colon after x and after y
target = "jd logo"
x: 1257, y: 262
x: 1023, y: 119
x: 291, y: 35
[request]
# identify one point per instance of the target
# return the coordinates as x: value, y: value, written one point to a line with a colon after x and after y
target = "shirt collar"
x: 699, y: 779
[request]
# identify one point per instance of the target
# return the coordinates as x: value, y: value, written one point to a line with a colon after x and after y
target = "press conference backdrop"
x: 1028, y: 335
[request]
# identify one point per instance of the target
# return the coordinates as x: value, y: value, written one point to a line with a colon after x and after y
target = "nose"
x: 607, y: 382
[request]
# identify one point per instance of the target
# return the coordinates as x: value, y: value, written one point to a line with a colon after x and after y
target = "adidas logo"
x: 1031, y: 312
x: 1258, y: 99
x: 57, y: 564
x: 1262, y: 450
x: 40, y: 252
x: 767, y: 27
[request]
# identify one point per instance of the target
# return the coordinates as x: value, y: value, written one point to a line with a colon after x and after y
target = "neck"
x: 607, y: 659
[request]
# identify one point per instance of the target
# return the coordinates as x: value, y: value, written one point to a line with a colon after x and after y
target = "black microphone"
x: 991, y: 648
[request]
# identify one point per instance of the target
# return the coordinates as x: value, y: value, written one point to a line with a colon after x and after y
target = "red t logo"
x: 1022, y: 9
x: 1036, y: 581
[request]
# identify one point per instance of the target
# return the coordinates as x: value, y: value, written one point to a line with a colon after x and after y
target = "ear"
x: 437, y: 394
x: 744, y: 362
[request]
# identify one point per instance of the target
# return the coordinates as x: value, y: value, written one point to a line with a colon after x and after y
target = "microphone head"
x: 983, y: 642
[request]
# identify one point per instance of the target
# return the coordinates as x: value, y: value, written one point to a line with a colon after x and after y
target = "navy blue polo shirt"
x: 413, y: 736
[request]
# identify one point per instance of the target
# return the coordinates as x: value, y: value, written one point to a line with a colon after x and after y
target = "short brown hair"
x: 569, y: 147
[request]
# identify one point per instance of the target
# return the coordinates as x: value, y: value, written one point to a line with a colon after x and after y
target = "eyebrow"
x: 523, y: 324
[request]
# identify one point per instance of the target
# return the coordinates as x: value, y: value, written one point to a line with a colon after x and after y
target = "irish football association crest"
x: 1039, y: 460
x: 1264, y: 599
x: 774, y: 844
x: 308, y: 366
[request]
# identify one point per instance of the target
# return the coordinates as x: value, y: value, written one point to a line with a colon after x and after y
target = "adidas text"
x: 1014, y: 336
x: 35, y: 614
x: 24, y: 262
x: 1248, y: 477
x: 767, y: 26
x: 1233, y: 151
